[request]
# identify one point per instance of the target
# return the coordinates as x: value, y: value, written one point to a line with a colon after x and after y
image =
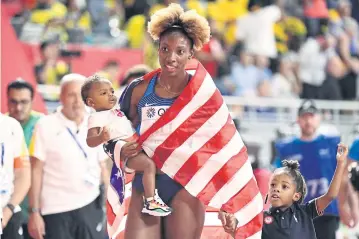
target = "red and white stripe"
x: 205, y: 153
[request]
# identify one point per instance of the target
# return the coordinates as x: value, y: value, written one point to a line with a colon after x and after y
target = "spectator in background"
x: 64, y: 198
x: 50, y: 14
x: 139, y: 38
x: 131, y: 74
x: 212, y: 54
x: 15, y: 177
x: 290, y: 32
x: 262, y: 63
x: 256, y: 31
x: 78, y: 18
x: 112, y: 71
x: 343, y: 10
x: 99, y: 17
x: 319, y: 67
x: 20, y: 95
x: 316, y: 16
x: 285, y: 83
x: 348, y: 49
x: 134, y: 7
x: 245, y: 75
x: 47, y: 10
x: 233, y: 9
x: 51, y: 69
x: 317, y: 156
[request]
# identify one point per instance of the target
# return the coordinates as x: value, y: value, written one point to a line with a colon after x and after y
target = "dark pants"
x: 315, y: 26
x: 13, y: 229
x: 348, y: 86
x: 26, y: 232
x: 329, y: 90
x: 85, y: 223
x: 326, y: 227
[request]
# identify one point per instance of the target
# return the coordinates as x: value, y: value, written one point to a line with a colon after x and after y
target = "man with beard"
x: 317, y: 156
x: 20, y: 96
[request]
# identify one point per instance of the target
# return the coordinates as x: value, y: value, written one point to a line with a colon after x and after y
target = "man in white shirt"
x: 64, y: 199
x: 15, y: 176
x: 257, y: 32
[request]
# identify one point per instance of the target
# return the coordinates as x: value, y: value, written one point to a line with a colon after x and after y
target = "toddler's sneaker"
x: 156, y: 207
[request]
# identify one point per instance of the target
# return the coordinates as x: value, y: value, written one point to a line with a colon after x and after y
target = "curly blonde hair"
x: 195, y: 26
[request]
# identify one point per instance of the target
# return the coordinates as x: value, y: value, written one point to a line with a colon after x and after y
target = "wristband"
x: 11, y: 207
x: 34, y: 210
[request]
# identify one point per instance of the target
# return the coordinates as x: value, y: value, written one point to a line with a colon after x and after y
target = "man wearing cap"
x: 316, y: 154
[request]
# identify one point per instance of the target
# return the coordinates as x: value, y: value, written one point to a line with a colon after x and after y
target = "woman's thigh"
x: 187, y: 218
x: 139, y: 225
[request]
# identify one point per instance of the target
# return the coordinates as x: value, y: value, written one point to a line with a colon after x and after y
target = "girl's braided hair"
x: 291, y: 167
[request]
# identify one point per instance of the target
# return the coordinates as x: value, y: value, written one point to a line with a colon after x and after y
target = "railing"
x: 262, y: 120
x: 276, y: 112
x: 285, y: 110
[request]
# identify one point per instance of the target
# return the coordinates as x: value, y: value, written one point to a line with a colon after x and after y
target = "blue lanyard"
x: 2, y: 154
x: 77, y: 142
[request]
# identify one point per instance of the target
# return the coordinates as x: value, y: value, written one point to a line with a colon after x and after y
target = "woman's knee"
x: 142, y: 163
x: 150, y: 166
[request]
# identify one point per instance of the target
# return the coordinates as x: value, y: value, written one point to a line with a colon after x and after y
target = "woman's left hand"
x: 229, y: 222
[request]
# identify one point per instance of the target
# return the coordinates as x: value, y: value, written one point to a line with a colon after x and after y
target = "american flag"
x: 204, y: 153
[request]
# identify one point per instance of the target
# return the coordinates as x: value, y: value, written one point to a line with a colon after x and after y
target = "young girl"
x: 288, y: 217
x: 109, y: 125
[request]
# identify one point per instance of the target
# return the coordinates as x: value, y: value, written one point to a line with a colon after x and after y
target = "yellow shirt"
x: 42, y: 16
x: 196, y: 5
x: 227, y: 22
x: 290, y: 25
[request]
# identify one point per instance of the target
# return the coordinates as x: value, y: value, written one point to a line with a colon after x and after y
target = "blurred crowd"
x: 259, y: 48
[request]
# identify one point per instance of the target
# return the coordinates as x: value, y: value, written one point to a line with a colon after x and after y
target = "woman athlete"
x: 179, y: 34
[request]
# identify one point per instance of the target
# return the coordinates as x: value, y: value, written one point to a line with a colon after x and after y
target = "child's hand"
x: 342, y: 153
x: 105, y: 134
x: 229, y: 222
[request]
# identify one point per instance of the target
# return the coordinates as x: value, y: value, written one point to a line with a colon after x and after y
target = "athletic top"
x: 317, y: 160
x: 151, y: 107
